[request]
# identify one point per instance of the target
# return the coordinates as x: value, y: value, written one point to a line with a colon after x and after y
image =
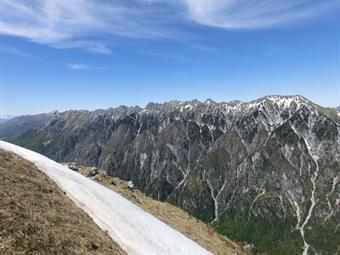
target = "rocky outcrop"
x: 266, y: 172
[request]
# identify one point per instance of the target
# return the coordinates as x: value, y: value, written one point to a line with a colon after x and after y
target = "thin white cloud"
x: 94, y: 46
x: 68, y: 24
x: 78, y: 66
x: 83, y: 66
x: 15, y: 51
x: 252, y: 14
x: 93, y: 25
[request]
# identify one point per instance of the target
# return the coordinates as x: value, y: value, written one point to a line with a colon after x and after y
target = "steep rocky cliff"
x: 266, y: 172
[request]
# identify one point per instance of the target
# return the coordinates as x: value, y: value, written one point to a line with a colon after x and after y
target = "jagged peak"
x: 294, y: 102
x: 284, y: 100
x: 235, y: 107
x: 209, y: 101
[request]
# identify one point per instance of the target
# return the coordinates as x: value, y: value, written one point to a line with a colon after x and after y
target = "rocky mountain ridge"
x: 266, y: 171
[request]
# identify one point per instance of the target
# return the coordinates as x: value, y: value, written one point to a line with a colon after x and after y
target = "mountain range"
x: 265, y: 172
x: 4, y: 118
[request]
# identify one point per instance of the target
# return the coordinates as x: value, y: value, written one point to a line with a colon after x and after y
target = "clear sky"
x: 60, y: 55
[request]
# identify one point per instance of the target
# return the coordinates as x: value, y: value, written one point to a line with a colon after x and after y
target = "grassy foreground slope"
x: 36, y: 217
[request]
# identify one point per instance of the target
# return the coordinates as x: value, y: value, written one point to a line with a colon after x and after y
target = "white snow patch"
x: 215, y: 199
x: 254, y: 201
x: 295, y: 205
x: 331, y: 210
x: 172, y: 148
x: 188, y: 106
x: 312, y: 198
x: 136, y: 231
x: 139, y: 129
x: 183, y: 180
x: 142, y: 158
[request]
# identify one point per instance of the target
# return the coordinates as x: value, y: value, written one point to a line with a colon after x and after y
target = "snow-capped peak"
x: 209, y: 102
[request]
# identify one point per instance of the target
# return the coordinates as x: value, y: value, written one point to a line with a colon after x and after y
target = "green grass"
x: 280, y: 237
x: 324, y: 237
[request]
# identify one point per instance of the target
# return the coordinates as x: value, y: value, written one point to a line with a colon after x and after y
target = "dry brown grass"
x: 175, y: 217
x: 36, y: 217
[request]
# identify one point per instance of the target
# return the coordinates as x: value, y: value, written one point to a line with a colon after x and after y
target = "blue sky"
x: 84, y: 54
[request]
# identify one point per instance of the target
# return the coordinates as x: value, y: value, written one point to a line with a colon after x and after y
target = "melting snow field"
x: 136, y: 231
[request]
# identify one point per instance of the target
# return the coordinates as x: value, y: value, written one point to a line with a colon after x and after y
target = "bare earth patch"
x: 175, y: 217
x: 36, y: 217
